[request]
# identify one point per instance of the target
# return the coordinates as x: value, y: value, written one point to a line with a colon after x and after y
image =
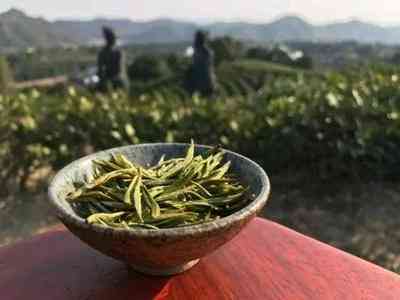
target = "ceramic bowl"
x: 164, y: 251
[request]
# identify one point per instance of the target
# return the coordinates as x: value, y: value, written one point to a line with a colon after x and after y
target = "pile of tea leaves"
x: 176, y: 192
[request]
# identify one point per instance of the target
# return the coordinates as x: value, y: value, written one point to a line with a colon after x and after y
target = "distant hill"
x: 19, y: 30
x: 161, y: 31
x: 157, y: 31
x: 84, y: 31
x: 293, y: 28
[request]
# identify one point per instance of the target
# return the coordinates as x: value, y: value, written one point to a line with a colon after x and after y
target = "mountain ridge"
x: 19, y: 30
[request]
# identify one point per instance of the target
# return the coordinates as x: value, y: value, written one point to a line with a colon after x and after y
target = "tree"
x: 396, y: 58
x: 281, y: 55
x: 5, y: 74
x: 226, y: 49
x: 258, y: 53
x: 148, y: 67
x: 304, y: 62
x: 177, y: 64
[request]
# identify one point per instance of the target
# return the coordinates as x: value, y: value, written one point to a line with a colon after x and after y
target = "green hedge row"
x: 344, y: 124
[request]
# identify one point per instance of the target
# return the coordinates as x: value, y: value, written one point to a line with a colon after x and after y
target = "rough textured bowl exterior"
x: 164, y: 251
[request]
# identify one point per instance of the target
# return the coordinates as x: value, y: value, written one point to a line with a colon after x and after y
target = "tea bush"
x: 345, y: 124
x: 5, y: 74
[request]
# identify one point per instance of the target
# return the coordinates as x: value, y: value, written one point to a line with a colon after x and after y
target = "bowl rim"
x: 246, y: 212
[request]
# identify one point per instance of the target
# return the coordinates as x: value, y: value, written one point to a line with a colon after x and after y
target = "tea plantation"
x: 326, y: 139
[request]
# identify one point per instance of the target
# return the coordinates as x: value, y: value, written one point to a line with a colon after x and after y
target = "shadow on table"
x: 133, y: 287
x: 57, y: 265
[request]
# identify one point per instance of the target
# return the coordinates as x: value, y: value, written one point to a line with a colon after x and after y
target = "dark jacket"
x: 110, y: 68
x: 202, y: 74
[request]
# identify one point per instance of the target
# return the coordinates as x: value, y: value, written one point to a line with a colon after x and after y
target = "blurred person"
x: 201, y: 76
x: 111, y: 69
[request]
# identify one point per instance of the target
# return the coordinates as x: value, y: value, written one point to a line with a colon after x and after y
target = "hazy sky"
x: 317, y: 11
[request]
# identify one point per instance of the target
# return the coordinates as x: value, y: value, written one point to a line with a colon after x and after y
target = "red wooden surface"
x: 266, y: 261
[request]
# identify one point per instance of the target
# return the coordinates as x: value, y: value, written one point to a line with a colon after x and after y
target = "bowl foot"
x: 164, y: 271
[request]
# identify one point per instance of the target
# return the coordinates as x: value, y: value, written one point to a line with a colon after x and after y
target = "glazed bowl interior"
x: 249, y: 173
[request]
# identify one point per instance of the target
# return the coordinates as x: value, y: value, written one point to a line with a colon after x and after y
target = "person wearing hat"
x: 201, y: 76
x: 110, y: 63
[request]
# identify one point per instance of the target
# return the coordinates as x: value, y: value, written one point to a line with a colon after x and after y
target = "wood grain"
x: 266, y: 261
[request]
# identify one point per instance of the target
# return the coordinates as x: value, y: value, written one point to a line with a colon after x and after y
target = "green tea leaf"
x: 128, y: 193
x: 137, y: 195
x: 174, y: 193
x: 155, y: 208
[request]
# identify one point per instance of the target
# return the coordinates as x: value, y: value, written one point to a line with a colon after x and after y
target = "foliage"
x: 47, y: 62
x: 226, y: 49
x: 148, y: 67
x: 260, y: 53
x: 344, y: 124
x: 178, y: 64
x: 239, y: 78
x: 42, y: 63
x: 304, y: 62
x: 5, y: 74
x: 396, y: 58
x: 278, y: 55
